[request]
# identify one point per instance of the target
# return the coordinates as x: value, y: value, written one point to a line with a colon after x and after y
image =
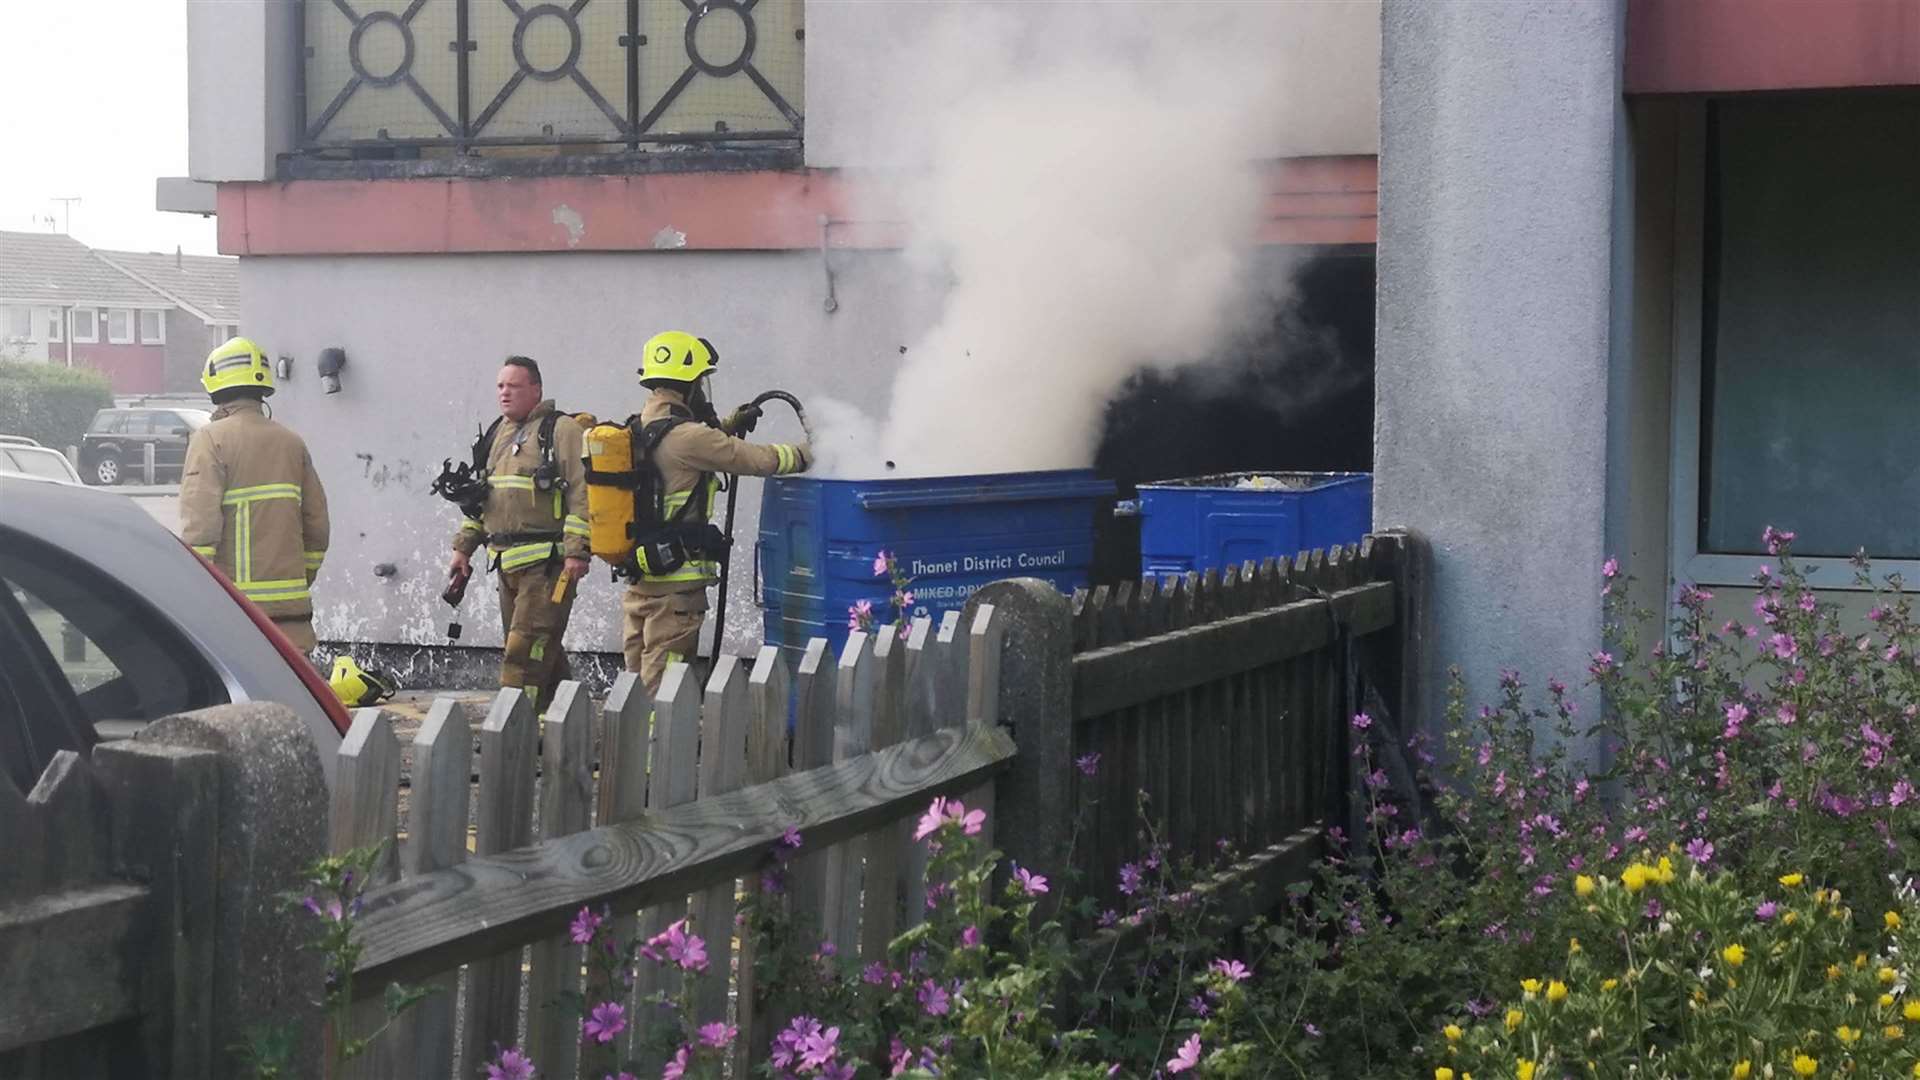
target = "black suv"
x: 114, y: 448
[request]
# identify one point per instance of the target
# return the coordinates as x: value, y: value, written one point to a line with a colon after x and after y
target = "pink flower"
x: 584, y: 926
x: 860, y: 615
x: 1700, y: 851
x: 906, y: 599
x: 1187, y: 1058
x: 510, y: 1065
x: 819, y: 1047
x: 718, y: 1035
x: 970, y: 937
x: 1232, y: 969
x: 883, y: 564
x: 933, y: 999
x: 931, y: 821
x: 1610, y: 569
x: 1766, y: 911
x: 1602, y: 663
x: 1129, y: 879
x: 607, y: 1020
x: 677, y: 1067
x: 1361, y: 721
x: 1783, y: 646
x: 790, y: 838
x: 1029, y: 881
x: 1088, y: 764
x: 681, y: 947
x: 1901, y: 794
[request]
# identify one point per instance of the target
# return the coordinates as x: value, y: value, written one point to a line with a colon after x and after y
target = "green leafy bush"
x: 50, y: 403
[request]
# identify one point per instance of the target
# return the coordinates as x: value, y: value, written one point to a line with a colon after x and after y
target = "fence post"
x: 272, y: 818
x: 1036, y: 705
x: 146, y: 462
x: 566, y: 804
x: 436, y: 839
x: 503, y: 821
x: 365, y: 812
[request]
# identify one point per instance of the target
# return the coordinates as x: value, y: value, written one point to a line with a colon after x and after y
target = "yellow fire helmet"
x: 677, y: 356
x: 237, y: 363
x: 356, y: 686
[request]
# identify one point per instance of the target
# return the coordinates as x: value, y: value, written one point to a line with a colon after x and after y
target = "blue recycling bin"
x: 1209, y: 522
x: 951, y: 534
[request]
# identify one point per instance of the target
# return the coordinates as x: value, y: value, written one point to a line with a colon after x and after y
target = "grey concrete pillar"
x: 1500, y: 150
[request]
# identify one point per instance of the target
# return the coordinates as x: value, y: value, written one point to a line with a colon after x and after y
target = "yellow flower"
x: 1892, y: 919
x: 1514, y: 1016
x: 1666, y: 870
x: 1734, y: 955
x: 1452, y: 1032
x: 1888, y: 975
x: 1443, y: 1073
x: 1846, y: 1034
x: 1610, y: 984
x: 1530, y: 987
x: 1635, y: 877
x: 1819, y: 896
x: 1743, y: 1070
x: 1523, y: 1069
x: 1804, y: 1065
x: 1792, y: 881
x: 1556, y: 991
x: 1573, y: 945
x: 1833, y: 972
x: 1790, y: 918
x: 1916, y: 1068
x: 1893, y: 1031
x: 1886, y: 1001
x: 1860, y: 962
x: 1583, y: 886
x: 1911, y: 1010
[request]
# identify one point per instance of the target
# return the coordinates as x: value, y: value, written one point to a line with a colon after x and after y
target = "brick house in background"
x: 143, y: 320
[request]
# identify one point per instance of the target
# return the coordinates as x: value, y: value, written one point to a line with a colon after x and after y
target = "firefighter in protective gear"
x: 250, y: 500
x: 534, y: 523
x: 664, y: 611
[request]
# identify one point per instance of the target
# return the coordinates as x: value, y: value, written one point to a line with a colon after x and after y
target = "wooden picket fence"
x: 128, y: 905
x: 691, y: 793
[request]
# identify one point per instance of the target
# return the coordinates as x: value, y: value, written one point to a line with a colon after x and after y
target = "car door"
x: 135, y: 436
x: 170, y: 434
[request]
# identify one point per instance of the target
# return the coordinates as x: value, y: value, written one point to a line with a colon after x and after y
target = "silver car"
x: 108, y: 622
x: 21, y: 456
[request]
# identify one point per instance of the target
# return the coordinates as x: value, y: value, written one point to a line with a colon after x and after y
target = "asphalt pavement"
x: 161, y: 500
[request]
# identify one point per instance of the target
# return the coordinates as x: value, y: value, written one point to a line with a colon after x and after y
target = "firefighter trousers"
x: 661, y: 630
x: 533, y: 624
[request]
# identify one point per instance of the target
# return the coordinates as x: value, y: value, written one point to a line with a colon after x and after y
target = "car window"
x: 121, y: 659
x: 106, y: 421
x: 195, y: 419
x: 137, y: 423
x: 32, y: 462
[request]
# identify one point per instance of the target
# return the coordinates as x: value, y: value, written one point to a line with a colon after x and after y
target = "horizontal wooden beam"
x: 65, y: 962
x: 423, y: 925
x: 1118, y: 676
x: 1250, y: 887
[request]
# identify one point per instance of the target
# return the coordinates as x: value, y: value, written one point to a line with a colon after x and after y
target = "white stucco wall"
x: 1495, y: 329
x: 425, y: 336
x: 243, y: 71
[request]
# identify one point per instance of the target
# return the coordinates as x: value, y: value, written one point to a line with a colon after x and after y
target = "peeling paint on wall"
x: 569, y: 219
x: 669, y: 238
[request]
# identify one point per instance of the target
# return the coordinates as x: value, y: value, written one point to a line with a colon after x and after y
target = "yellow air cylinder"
x: 610, y: 484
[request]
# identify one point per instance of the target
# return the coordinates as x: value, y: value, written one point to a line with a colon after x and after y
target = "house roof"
x: 53, y: 269
x: 206, y: 285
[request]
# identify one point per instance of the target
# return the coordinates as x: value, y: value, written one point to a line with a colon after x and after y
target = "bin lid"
x: 1259, y: 480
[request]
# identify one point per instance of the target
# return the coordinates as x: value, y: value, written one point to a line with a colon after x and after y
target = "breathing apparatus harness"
x: 466, y: 485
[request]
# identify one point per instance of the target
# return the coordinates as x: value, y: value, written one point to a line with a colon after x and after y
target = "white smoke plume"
x: 1085, y: 175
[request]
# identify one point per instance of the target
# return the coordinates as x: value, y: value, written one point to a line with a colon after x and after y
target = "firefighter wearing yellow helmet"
x: 691, y: 448
x: 250, y: 500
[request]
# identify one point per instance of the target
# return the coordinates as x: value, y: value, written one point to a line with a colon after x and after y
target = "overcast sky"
x: 93, y: 99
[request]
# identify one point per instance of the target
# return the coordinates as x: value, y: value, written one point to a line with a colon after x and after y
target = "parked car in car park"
x: 21, y: 456
x: 109, y: 622
x: 114, y: 448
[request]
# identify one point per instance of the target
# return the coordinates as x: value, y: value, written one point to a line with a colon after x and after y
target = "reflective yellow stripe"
x: 261, y: 592
x: 692, y: 571
x: 576, y: 526
x: 314, y: 558
x: 785, y: 455
x: 243, y: 547
x: 469, y: 523
x: 207, y: 550
x: 520, y: 555
x: 237, y: 496
x: 517, y: 483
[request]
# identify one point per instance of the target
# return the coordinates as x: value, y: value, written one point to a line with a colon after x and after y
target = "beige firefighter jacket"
x: 691, y: 450
x: 251, y: 502
x: 521, y: 524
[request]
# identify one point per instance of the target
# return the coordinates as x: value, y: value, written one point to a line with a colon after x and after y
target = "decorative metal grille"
x: 463, y: 73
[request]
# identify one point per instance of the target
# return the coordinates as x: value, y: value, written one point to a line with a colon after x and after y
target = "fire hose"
x: 733, y: 500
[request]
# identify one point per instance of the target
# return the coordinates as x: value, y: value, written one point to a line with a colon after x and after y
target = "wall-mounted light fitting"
x: 283, y: 367
x: 332, y: 359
